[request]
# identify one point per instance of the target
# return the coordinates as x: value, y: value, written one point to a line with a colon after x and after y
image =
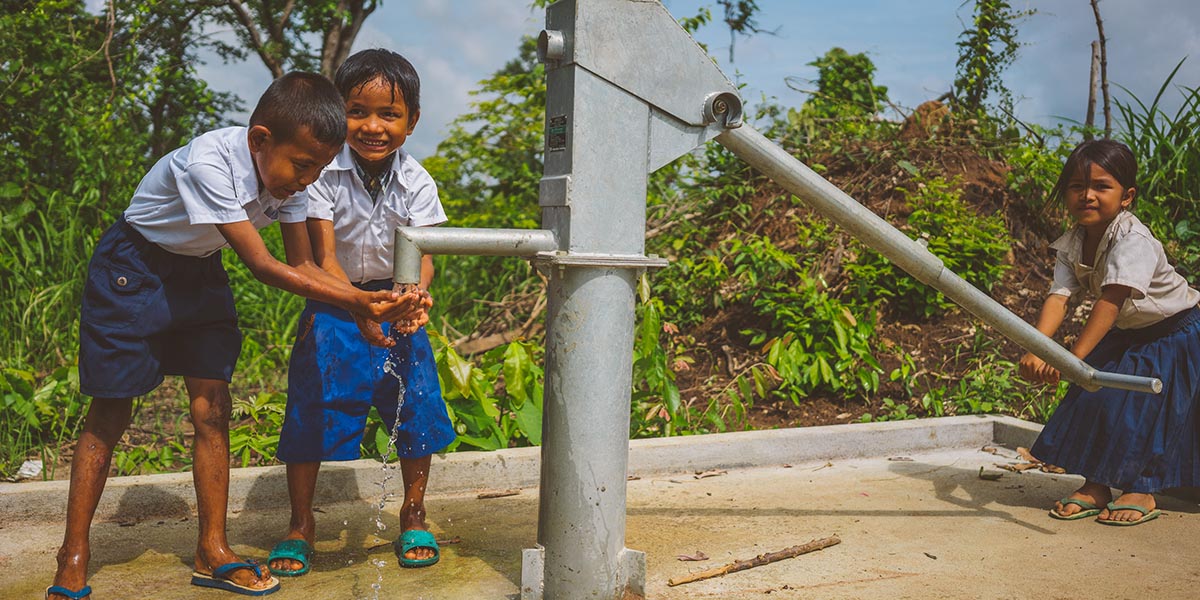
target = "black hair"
x: 395, y: 70
x: 1110, y: 155
x: 298, y: 100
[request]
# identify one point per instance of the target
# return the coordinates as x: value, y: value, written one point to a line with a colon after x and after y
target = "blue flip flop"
x: 220, y: 579
x: 298, y: 550
x: 83, y: 592
x: 416, y: 538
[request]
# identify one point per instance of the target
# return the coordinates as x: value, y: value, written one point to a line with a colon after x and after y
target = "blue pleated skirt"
x: 1134, y: 441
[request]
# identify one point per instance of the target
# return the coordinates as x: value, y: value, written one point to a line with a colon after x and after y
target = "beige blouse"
x: 1128, y: 255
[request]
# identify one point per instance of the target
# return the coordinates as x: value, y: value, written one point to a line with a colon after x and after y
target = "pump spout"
x: 411, y: 243
x: 826, y: 198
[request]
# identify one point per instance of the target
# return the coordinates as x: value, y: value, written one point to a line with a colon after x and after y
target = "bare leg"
x: 106, y: 422
x: 412, y: 515
x: 1143, y: 500
x: 302, y: 484
x: 1095, y: 493
x: 210, y: 408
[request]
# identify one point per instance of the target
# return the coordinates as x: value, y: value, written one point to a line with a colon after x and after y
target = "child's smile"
x: 377, y: 121
x: 1096, y: 201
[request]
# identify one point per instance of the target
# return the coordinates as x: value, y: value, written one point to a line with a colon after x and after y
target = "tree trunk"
x: 1103, y: 68
x: 340, y: 34
x: 1089, y: 122
x: 271, y: 31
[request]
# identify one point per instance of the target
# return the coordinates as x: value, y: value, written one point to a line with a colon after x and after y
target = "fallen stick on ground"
x: 503, y: 494
x: 757, y: 561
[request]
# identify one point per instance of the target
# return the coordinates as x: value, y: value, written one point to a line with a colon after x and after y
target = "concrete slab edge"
x: 257, y: 488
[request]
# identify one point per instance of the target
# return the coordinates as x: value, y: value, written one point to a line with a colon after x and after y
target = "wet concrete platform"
x: 914, y: 517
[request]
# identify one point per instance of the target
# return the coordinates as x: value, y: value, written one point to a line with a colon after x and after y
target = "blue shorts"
x: 148, y: 313
x: 334, y: 379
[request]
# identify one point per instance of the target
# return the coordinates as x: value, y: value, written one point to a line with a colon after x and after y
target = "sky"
x: 456, y: 43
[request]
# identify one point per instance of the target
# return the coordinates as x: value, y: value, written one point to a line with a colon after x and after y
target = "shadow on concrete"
x: 138, y: 509
x: 146, y: 502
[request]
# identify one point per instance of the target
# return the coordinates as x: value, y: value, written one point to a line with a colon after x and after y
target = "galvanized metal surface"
x: 826, y: 198
x: 412, y: 242
x: 594, y: 200
x: 639, y: 47
x: 589, y: 350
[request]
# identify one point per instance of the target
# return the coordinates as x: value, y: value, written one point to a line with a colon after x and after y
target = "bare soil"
x: 941, y: 344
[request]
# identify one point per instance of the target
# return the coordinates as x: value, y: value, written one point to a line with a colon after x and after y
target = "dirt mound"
x: 928, y: 120
x: 941, y: 344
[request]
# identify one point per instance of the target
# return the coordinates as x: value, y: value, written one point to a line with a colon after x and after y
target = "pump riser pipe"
x: 826, y: 198
x: 585, y: 422
x: 413, y: 242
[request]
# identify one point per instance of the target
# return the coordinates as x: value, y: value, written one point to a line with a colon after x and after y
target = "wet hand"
x: 410, y: 325
x: 372, y: 331
x: 389, y: 306
x: 411, y: 306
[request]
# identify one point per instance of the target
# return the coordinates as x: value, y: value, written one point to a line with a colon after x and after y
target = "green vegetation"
x: 845, y: 87
x: 985, y: 49
x: 1168, y: 152
x: 764, y: 305
x: 971, y: 245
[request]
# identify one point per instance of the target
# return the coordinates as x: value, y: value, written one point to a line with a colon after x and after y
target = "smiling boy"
x: 157, y: 302
x: 335, y: 376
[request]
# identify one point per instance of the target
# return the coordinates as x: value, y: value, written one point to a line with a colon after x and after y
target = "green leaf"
x: 383, y: 443
x: 460, y: 372
x: 488, y: 443
x: 516, y: 368
x: 488, y: 404
x: 10, y: 189
x: 671, y: 397
x: 529, y: 421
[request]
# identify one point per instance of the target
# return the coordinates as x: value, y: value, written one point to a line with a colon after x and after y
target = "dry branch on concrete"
x: 500, y: 494
x: 757, y: 561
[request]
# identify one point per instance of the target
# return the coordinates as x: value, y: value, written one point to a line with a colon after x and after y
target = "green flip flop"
x: 298, y: 550
x: 1147, y: 514
x: 416, y: 538
x: 1089, y: 510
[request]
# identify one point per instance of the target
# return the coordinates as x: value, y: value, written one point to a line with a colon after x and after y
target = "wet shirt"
x: 1128, y: 255
x: 211, y: 180
x: 364, y: 228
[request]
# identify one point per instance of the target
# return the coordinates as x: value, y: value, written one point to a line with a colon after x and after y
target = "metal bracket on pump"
x: 724, y: 109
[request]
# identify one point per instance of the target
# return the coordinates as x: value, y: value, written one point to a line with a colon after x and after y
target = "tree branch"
x: 758, y: 561
x: 254, y: 35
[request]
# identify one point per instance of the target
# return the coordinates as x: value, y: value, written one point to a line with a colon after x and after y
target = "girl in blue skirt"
x: 1144, y: 322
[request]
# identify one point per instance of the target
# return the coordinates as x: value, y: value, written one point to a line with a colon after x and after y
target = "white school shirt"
x: 364, y: 230
x: 210, y: 180
x: 1128, y: 255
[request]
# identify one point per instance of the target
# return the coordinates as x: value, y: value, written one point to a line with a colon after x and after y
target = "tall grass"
x: 1167, y: 146
x: 44, y: 250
